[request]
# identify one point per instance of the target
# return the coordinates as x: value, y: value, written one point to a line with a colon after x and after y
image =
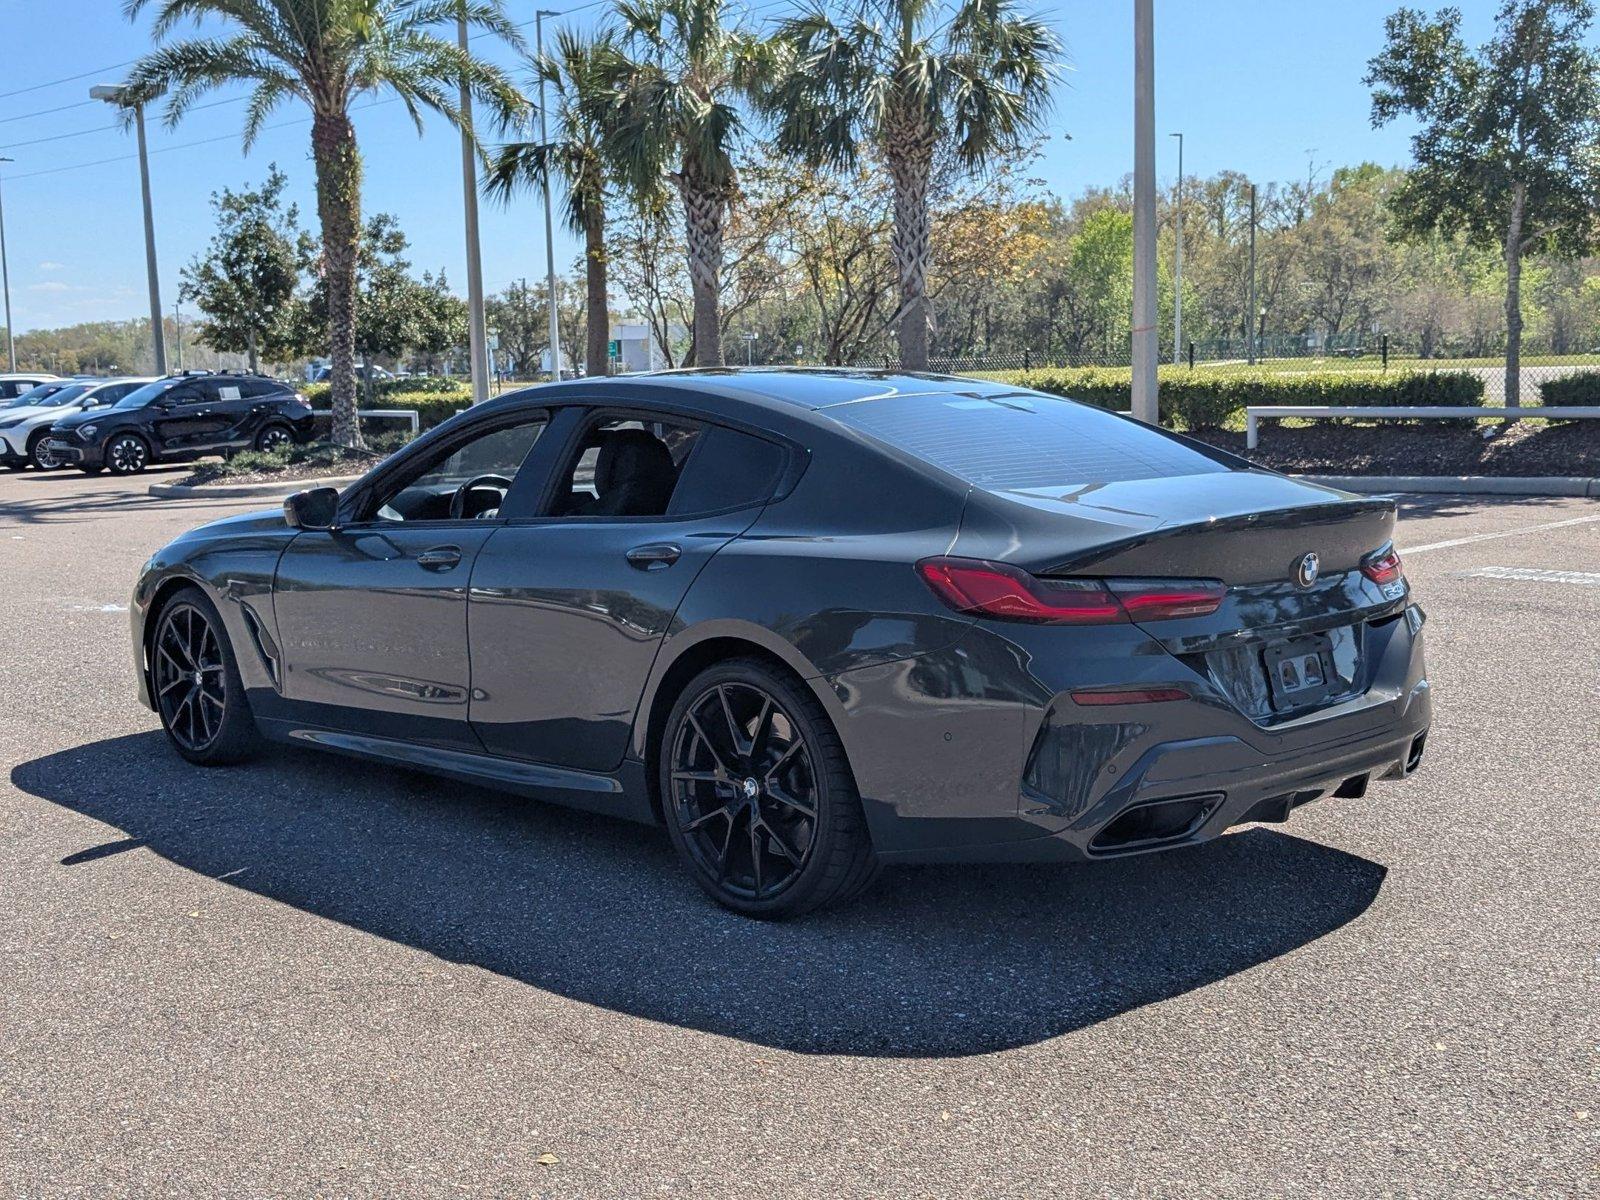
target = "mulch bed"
x: 1519, y: 448
x: 213, y: 472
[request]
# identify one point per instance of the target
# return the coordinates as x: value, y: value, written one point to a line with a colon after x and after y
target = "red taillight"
x: 1383, y: 566
x: 991, y: 589
x: 1165, y: 599
x: 1007, y: 593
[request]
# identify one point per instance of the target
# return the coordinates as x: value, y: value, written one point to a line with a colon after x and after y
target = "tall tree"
x: 1509, y: 149
x: 244, y: 283
x: 903, y: 79
x: 580, y: 70
x: 671, y: 116
x: 327, y: 53
x: 398, y: 312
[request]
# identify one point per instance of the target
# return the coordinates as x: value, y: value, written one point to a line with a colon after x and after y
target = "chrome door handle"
x: 654, y: 556
x: 440, y: 558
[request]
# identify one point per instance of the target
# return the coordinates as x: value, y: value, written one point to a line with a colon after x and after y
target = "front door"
x: 372, y: 615
x: 184, y: 420
x: 569, y: 610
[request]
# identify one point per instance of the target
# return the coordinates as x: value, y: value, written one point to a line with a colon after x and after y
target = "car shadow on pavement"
x: 931, y: 962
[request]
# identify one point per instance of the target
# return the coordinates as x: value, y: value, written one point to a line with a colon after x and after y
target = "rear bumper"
x: 995, y: 762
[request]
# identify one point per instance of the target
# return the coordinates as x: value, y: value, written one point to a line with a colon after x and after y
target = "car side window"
x: 461, y: 479
x: 625, y: 467
x: 728, y: 470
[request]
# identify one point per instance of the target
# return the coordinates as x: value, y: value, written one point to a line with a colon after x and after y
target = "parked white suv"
x: 23, y: 425
x: 14, y: 384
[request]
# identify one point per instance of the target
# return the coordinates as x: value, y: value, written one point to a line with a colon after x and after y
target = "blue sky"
x: 1259, y: 86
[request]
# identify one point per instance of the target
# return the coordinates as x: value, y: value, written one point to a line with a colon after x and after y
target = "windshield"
x: 37, y: 395
x: 139, y: 397
x: 66, y: 395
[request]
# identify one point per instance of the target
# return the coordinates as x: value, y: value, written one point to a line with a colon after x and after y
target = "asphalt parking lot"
x: 315, y: 977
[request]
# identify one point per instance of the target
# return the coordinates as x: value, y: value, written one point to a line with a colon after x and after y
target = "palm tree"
x: 671, y: 116
x: 327, y: 53
x: 905, y: 80
x: 580, y: 70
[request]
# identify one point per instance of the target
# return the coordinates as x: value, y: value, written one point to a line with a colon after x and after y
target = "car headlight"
x: 86, y: 431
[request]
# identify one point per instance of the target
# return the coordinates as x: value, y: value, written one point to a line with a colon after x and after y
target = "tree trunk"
x: 910, y: 164
x: 255, y: 363
x: 597, y: 313
x: 1513, y: 384
x: 705, y: 210
x: 338, y: 164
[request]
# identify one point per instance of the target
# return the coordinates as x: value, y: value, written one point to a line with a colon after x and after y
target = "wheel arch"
x: 717, y: 642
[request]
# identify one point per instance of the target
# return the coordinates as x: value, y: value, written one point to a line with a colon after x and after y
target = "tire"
x: 194, y: 681
x: 273, y: 437
x: 127, y: 454
x: 41, y: 459
x: 761, y: 806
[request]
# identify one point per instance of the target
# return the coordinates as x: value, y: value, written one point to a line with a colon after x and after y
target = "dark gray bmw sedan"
x: 813, y: 622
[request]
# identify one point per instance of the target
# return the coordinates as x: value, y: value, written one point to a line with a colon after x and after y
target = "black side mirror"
x: 314, y: 508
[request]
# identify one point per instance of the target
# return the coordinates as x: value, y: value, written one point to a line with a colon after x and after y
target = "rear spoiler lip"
x: 1277, y: 518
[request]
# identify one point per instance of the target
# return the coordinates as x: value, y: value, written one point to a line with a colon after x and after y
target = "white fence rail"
x: 410, y: 414
x: 1255, y: 412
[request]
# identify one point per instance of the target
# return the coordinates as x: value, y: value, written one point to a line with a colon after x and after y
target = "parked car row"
x: 124, y: 425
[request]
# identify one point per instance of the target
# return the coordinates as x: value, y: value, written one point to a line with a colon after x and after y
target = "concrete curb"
x: 1462, y: 485
x: 224, y: 491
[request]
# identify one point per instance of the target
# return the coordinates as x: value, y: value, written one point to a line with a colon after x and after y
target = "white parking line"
x: 1484, y: 537
x: 1535, y: 575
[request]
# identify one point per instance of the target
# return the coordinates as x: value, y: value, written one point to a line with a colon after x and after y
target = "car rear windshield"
x: 1019, y: 442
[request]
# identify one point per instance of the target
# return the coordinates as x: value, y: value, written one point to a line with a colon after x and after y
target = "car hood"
x: 71, y: 420
x: 8, y: 415
x: 243, y: 525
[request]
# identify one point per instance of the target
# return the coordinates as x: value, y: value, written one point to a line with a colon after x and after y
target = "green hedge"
x: 1192, y: 399
x: 435, y: 400
x: 1582, y: 388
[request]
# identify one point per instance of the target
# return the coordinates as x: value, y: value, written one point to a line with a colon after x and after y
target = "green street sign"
x: 614, y: 348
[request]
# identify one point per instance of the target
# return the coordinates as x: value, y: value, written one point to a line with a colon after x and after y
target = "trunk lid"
x: 1253, y: 531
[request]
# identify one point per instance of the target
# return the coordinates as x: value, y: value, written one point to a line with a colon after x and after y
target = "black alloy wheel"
x: 126, y: 454
x: 758, y: 794
x: 273, y: 437
x: 196, y: 685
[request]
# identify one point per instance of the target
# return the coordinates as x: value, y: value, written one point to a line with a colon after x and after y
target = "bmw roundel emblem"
x: 1305, y: 572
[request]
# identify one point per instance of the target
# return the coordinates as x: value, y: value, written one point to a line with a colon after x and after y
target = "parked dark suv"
x: 182, y: 417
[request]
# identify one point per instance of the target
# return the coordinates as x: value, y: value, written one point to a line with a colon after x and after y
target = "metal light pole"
x: 1250, y: 317
x: 177, y: 328
x: 477, y: 337
x: 5, y: 276
x: 549, y: 225
x: 117, y: 96
x: 1177, y: 270
x: 1145, y: 336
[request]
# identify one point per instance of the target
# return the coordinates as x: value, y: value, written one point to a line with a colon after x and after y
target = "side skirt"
x: 621, y: 795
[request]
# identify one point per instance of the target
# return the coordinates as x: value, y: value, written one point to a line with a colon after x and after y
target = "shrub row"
x: 1582, y: 388
x: 435, y: 400
x: 1192, y: 400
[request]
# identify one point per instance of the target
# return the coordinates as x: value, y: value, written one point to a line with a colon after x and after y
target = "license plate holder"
x: 1299, y: 672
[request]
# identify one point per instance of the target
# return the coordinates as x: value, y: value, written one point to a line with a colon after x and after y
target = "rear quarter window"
x: 728, y: 469
x: 1023, y: 442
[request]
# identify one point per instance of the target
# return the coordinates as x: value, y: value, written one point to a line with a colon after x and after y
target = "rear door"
x: 569, y: 609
